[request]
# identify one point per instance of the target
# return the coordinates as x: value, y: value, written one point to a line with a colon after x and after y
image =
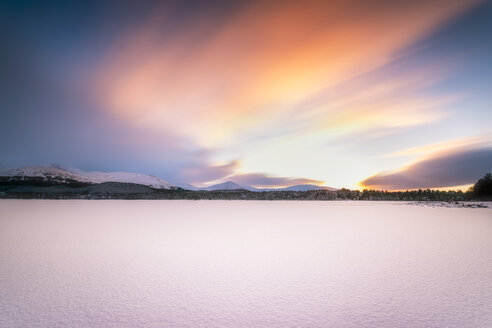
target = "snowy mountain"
x: 61, y: 176
x: 42, y: 173
x: 185, y: 186
x: 126, y: 177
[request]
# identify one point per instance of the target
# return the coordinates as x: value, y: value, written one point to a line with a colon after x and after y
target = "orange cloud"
x: 214, y: 78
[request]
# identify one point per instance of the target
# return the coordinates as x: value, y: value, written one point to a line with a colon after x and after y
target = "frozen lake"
x: 243, y: 264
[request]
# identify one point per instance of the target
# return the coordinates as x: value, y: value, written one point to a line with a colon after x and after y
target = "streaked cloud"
x: 204, y: 172
x: 266, y: 180
x: 481, y: 141
x: 457, y: 167
x: 212, y: 79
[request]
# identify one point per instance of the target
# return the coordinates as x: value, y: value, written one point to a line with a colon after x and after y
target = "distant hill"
x: 301, y: 187
x: 229, y: 185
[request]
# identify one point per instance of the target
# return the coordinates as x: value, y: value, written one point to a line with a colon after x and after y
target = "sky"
x: 358, y: 94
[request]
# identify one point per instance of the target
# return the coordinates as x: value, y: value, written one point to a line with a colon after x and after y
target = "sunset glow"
x: 344, y: 94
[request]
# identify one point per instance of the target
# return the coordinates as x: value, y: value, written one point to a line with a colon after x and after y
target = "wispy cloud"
x: 455, y: 167
x: 481, y: 141
x: 266, y: 180
x: 258, y: 67
x: 203, y: 172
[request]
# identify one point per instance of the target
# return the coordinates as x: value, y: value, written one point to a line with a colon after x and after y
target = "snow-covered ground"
x: 243, y: 264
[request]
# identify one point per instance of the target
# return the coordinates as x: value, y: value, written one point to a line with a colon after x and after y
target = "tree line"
x: 482, y: 190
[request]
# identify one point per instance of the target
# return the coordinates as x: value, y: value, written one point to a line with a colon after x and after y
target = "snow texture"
x: 243, y: 264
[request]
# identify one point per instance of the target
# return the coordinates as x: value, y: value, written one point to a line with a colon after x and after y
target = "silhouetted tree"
x: 483, y: 188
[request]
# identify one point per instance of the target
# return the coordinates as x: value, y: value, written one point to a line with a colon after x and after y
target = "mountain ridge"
x: 56, y: 175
